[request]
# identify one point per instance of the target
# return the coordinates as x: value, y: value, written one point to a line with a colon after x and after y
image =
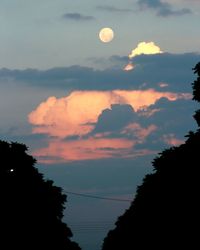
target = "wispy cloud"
x: 171, y: 140
x: 77, y: 17
x: 162, y: 9
x: 110, y: 8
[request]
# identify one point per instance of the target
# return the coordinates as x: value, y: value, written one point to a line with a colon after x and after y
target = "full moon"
x: 106, y: 35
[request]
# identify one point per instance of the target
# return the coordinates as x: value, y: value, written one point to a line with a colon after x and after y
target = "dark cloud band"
x: 174, y: 70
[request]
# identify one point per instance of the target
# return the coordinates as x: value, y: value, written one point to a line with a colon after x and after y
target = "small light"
x: 11, y: 170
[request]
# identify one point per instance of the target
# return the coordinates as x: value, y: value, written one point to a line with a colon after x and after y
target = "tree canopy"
x: 31, y: 208
x: 163, y: 214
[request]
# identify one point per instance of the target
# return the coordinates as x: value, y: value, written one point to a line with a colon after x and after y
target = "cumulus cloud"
x: 162, y: 8
x: 95, y: 124
x: 145, y: 48
x: 110, y: 112
x: 173, y: 120
x: 77, y: 17
x: 76, y: 113
x: 109, y: 120
x: 71, y: 115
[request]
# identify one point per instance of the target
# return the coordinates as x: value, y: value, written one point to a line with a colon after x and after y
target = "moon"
x: 106, y: 35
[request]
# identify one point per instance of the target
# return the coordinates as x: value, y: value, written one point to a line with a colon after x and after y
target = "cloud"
x: 171, y: 140
x: 84, y: 149
x: 129, y: 66
x: 76, y: 113
x: 112, y: 9
x: 136, y: 130
x: 145, y: 48
x: 71, y: 121
x: 172, y: 69
x: 173, y: 120
x: 162, y: 9
x: 109, y: 120
x: 77, y: 17
x: 163, y: 85
x: 96, y: 124
x: 180, y: 111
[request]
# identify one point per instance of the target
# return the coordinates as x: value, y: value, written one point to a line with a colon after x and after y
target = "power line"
x: 97, y: 197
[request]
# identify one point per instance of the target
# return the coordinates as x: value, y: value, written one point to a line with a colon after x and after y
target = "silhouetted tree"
x: 31, y: 208
x: 165, y: 211
x: 196, y: 91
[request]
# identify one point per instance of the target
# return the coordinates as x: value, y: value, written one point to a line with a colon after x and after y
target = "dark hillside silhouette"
x: 164, y: 213
x: 31, y: 208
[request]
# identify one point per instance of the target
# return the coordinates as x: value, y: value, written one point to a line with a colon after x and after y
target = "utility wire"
x: 97, y: 197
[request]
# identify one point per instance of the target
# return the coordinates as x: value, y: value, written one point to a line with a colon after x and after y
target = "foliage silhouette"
x: 164, y: 214
x: 31, y: 208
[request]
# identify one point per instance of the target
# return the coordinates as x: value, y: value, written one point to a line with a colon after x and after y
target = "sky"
x: 96, y: 114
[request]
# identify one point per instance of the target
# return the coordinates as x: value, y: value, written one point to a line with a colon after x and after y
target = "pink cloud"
x: 77, y: 113
x: 60, y: 152
x: 84, y: 149
x: 171, y: 140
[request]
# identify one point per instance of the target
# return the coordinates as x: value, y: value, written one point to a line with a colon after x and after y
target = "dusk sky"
x: 95, y: 114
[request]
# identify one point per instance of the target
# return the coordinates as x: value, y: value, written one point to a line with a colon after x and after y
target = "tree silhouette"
x: 31, y: 208
x: 164, y: 213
